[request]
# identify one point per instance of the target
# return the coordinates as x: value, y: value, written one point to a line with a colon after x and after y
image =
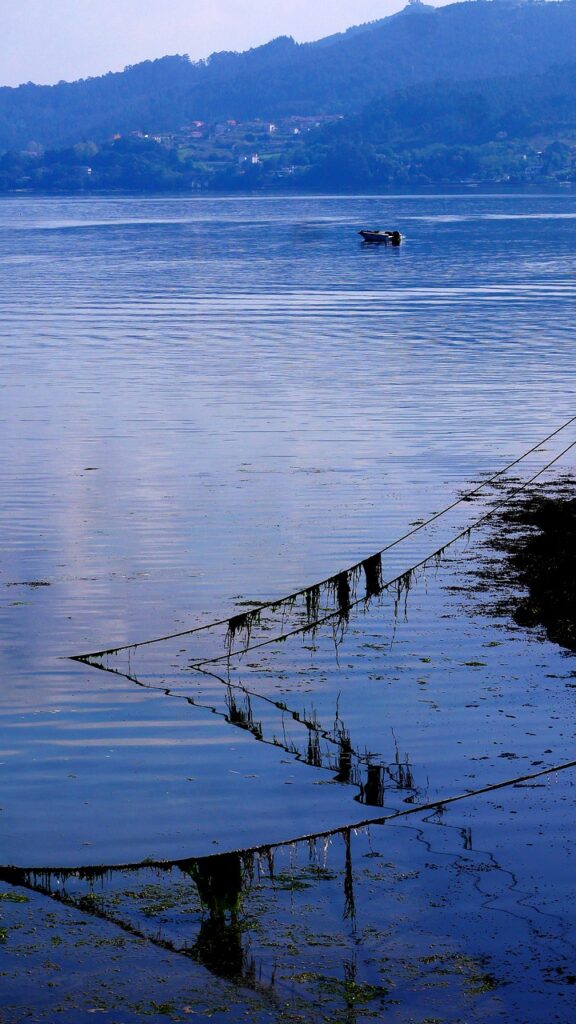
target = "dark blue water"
x: 211, y: 403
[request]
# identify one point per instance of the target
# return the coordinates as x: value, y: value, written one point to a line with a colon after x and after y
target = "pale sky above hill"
x: 45, y: 41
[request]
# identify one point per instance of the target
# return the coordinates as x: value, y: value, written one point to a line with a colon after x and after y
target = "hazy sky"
x: 48, y: 40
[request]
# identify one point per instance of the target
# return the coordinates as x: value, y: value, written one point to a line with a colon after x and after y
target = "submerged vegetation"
x: 537, y: 535
x: 281, y: 923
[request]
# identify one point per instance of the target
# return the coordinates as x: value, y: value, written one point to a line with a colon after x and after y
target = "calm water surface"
x: 210, y: 403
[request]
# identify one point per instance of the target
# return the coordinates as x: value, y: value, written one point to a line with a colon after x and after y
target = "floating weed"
x: 476, y: 981
x: 164, y: 1009
x: 317, y: 871
x: 90, y: 902
x: 353, y: 993
x: 31, y: 584
x: 479, y: 984
x: 326, y: 941
x: 14, y: 897
x: 291, y: 883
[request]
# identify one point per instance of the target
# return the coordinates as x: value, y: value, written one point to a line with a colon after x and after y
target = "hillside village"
x: 255, y: 142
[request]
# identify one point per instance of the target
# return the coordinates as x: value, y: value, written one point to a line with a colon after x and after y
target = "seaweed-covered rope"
x: 286, y: 599
x: 432, y: 805
x: 17, y: 875
x: 403, y: 577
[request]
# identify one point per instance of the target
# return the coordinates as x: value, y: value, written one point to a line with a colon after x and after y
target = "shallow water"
x: 448, y: 918
x: 211, y: 403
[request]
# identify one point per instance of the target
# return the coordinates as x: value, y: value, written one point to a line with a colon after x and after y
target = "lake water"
x: 211, y: 403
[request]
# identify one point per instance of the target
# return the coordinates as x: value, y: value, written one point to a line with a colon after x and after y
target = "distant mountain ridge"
x: 340, y: 74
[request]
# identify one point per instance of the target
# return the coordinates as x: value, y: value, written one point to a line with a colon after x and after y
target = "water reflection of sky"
x: 207, y: 403
x: 210, y: 402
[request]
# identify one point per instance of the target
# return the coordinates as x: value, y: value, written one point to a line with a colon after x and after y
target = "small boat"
x: 385, y: 237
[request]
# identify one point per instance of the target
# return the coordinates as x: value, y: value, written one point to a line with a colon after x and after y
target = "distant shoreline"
x: 476, y: 189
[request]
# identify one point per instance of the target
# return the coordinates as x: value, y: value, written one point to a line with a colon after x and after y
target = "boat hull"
x: 382, y: 237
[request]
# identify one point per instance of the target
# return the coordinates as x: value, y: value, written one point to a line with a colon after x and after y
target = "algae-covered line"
x: 14, y: 875
x: 248, y: 619
x: 402, y: 581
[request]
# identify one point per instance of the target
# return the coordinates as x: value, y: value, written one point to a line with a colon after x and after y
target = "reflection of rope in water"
x: 41, y: 883
x: 520, y: 896
x: 221, y: 884
x: 349, y: 766
x: 222, y: 937
x: 336, y: 581
x: 402, y: 581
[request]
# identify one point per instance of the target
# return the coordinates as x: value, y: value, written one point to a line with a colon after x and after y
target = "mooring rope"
x: 289, y: 598
x: 432, y: 804
x: 405, y: 575
x: 11, y: 873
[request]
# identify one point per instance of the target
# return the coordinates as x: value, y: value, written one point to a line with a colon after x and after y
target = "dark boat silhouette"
x: 383, y: 237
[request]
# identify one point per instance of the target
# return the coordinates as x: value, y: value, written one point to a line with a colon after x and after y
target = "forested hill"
x: 526, y: 107
x: 341, y: 74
